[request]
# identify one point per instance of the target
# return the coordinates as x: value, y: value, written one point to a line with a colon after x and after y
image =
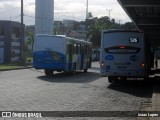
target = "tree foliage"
x: 30, y: 40
x: 96, y: 25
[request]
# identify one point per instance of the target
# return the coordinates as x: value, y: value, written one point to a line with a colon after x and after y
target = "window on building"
x: 1, y: 31
x: 16, y: 32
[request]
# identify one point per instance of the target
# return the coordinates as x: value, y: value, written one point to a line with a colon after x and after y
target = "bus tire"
x: 112, y: 79
x: 73, y: 72
x: 85, y: 70
x: 48, y: 72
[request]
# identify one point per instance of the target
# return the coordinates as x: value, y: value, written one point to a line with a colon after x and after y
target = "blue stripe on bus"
x: 49, y: 60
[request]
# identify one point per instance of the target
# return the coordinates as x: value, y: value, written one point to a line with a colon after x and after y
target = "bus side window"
x: 89, y: 50
x: 85, y: 49
x: 69, y: 48
x: 79, y: 48
x: 75, y: 49
x: 82, y: 49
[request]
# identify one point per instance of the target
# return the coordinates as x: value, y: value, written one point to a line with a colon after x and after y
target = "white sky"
x: 63, y: 9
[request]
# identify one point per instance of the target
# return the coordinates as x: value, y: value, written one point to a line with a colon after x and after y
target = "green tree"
x: 129, y: 25
x: 95, y: 27
x: 94, y: 33
x: 104, y: 19
x: 30, y: 40
x: 26, y: 51
x: 90, y: 15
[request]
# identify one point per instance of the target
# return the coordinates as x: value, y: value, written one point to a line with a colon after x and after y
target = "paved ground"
x: 156, y: 93
x: 31, y: 90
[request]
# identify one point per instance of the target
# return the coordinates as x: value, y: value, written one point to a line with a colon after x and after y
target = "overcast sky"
x: 63, y: 9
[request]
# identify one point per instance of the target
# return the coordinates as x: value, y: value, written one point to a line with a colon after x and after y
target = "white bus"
x: 60, y: 53
x: 124, y: 54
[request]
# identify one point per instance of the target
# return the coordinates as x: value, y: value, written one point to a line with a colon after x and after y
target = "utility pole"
x: 109, y: 13
x: 22, y: 30
x: 73, y: 17
x: 86, y: 18
x: 119, y: 21
x: 87, y: 10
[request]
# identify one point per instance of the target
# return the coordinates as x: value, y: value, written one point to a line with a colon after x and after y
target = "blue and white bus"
x: 60, y: 53
x: 124, y: 54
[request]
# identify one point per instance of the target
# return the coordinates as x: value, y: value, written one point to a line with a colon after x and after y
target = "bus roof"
x: 63, y: 36
x: 122, y: 30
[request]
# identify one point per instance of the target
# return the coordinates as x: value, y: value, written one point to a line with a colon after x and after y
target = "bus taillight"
x: 142, y: 64
x: 122, y: 47
x: 102, y: 64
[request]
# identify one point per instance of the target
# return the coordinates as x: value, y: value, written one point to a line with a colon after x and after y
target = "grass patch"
x: 9, y: 66
x: 28, y: 63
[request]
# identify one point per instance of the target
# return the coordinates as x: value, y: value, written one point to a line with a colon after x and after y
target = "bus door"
x: 70, y: 56
x: 82, y: 56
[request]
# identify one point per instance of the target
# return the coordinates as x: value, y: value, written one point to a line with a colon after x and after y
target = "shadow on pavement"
x: 139, y: 88
x: 79, y: 77
x: 157, y: 84
x: 95, y: 68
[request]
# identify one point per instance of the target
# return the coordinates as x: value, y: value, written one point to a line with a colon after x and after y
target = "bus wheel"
x: 112, y: 79
x: 73, y: 72
x: 123, y: 79
x: 48, y: 72
x: 85, y: 70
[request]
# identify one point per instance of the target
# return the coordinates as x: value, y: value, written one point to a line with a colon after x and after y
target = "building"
x: 68, y: 23
x: 80, y: 33
x: 10, y: 41
x: 58, y: 28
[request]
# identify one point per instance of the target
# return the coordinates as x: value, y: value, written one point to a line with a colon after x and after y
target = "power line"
x: 49, y: 19
x: 8, y: 18
x: 15, y: 17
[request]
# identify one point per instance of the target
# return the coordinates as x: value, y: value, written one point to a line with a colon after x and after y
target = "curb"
x: 15, y: 68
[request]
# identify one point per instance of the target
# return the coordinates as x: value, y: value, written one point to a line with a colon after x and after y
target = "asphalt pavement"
x: 156, y: 93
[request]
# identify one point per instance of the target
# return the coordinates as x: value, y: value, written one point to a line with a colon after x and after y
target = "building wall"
x: 68, y: 23
x: 1, y: 49
x: 10, y: 41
